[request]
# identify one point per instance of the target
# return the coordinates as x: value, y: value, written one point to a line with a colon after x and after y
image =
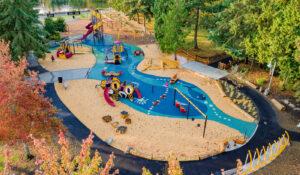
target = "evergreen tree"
x: 174, y: 27
x: 160, y: 8
x: 19, y: 25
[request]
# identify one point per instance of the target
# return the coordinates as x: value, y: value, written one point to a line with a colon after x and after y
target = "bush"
x: 49, y: 26
x: 60, y: 24
x: 55, y: 36
x: 261, y: 81
x: 53, y: 27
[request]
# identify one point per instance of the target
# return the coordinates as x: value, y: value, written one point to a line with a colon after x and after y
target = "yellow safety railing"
x: 261, y: 158
x: 205, y: 116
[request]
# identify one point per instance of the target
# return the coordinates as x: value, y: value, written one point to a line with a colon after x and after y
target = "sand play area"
x: 77, y: 61
x: 148, y: 136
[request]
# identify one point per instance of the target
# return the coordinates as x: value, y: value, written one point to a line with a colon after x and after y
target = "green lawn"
x: 206, y: 47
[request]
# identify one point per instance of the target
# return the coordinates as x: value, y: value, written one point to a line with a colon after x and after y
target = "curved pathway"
x: 268, y: 130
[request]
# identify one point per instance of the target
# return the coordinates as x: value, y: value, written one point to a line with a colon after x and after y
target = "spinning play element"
x: 111, y: 73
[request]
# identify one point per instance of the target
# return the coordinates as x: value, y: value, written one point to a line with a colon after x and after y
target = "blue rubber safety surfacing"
x: 158, y: 95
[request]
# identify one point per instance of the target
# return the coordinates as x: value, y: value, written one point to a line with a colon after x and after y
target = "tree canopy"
x: 170, y: 28
x: 20, y: 26
x: 263, y: 30
x: 23, y: 108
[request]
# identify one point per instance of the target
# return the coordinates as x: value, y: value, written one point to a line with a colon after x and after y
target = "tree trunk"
x: 196, y: 28
x: 175, y: 56
x: 28, y: 154
x: 145, y: 30
x: 271, y: 78
x: 138, y: 18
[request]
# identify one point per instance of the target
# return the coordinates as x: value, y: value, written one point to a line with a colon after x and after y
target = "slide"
x: 89, y: 25
x: 107, y: 98
x: 87, y: 34
x: 138, y: 93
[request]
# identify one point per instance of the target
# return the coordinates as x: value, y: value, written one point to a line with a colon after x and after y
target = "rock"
x: 292, y: 105
x: 128, y: 121
x: 115, y: 124
x: 107, y: 118
x: 128, y: 149
x: 109, y: 140
x: 285, y: 101
x: 121, y: 129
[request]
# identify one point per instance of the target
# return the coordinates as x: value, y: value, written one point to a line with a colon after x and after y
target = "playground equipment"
x: 63, y: 51
x: 190, y: 103
x: 174, y: 79
x: 95, y: 27
x: 118, y: 52
x: 138, y: 53
x: 180, y: 106
x: 111, y: 73
x: 114, y: 88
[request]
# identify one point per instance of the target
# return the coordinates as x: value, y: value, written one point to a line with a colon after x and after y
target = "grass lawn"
x: 206, y: 47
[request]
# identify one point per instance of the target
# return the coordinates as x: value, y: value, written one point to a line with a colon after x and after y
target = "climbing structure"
x: 95, y: 27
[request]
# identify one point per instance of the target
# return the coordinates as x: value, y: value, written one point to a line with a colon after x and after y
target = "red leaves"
x: 23, y: 108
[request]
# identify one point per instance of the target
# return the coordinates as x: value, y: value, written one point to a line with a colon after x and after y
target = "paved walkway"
x: 268, y: 130
x: 205, y: 70
x: 73, y: 74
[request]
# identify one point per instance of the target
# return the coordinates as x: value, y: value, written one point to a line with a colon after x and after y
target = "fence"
x: 260, y: 158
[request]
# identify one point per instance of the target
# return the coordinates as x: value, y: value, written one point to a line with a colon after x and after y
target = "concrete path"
x: 73, y: 74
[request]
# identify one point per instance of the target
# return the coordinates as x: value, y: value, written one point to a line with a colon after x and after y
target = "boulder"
x: 107, y: 118
x: 121, y: 129
x: 128, y: 121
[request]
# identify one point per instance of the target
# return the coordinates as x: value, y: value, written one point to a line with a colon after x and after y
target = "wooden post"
x: 204, y: 129
x: 188, y: 111
x: 174, y: 96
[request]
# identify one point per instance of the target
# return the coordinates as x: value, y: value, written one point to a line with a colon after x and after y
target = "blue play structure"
x: 159, y: 97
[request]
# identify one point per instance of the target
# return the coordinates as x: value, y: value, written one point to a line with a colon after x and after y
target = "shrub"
x: 60, y: 24
x: 53, y: 27
x: 261, y: 81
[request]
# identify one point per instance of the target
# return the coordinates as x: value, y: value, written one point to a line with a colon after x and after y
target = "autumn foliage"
x: 23, y: 108
x: 64, y: 163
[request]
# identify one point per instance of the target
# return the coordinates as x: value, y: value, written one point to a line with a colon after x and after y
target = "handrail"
x: 205, y: 116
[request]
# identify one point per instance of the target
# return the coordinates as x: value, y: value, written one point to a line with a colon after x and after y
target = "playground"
x: 140, y: 101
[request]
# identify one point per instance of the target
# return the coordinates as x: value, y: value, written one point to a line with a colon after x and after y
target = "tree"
x: 194, y: 6
x: 20, y: 26
x: 64, y: 163
x: 160, y: 8
x: 264, y: 31
x: 23, y: 108
x: 174, y: 23
x: 276, y: 36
